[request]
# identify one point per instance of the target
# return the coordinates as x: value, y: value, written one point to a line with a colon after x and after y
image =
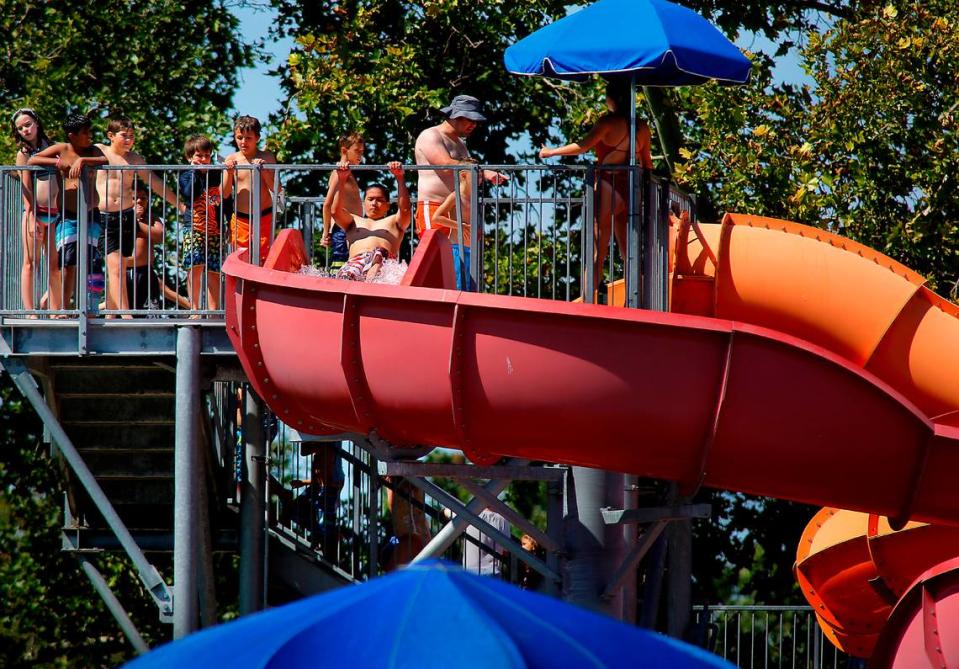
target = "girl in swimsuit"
x: 609, y: 138
x: 41, y: 191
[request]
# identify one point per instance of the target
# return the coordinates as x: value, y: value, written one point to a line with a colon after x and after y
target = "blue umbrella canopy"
x: 657, y: 42
x: 432, y: 614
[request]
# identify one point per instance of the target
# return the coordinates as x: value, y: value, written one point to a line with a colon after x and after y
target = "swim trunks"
x: 143, y: 288
x: 121, y: 231
x: 240, y: 230
x: 355, y: 268
x: 424, y: 211
x: 202, y: 249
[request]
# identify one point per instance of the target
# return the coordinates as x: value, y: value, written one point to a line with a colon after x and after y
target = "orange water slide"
x: 853, y: 568
x: 831, y: 291
x: 827, y: 290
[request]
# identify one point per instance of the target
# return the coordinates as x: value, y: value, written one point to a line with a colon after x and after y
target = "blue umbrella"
x: 655, y: 42
x: 432, y: 614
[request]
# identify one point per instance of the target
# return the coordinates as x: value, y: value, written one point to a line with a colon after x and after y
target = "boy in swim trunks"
x: 246, y: 133
x: 117, y: 212
x: 70, y: 158
x: 347, y: 193
x: 377, y: 236
x: 202, y: 248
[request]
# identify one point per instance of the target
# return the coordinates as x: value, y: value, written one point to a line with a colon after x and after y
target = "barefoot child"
x: 41, y: 205
x: 444, y: 216
x: 70, y: 158
x: 346, y: 193
x: 246, y: 133
x: 145, y: 289
x: 202, y: 248
x: 115, y: 188
x: 377, y: 236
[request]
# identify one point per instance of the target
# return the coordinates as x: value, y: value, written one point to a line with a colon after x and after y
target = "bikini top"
x: 39, y: 175
x: 603, y: 149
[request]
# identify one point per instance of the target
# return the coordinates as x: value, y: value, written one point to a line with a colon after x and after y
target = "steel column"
x: 186, y: 496
x: 253, y: 508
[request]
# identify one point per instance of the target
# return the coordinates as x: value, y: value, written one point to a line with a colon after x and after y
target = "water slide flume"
x: 698, y: 400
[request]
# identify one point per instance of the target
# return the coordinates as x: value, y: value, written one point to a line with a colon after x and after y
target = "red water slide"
x: 799, y: 409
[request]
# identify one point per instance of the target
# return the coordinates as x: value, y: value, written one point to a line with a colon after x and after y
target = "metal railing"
x: 330, y: 497
x: 543, y: 228
x: 767, y: 637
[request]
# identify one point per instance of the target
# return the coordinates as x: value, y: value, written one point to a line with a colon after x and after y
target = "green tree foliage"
x: 870, y: 149
x: 50, y: 615
x: 171, y: 66
x: 384, y: 67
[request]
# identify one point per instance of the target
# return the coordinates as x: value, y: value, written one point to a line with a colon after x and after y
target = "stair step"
x: 121, y: 436
x: 123, y: 490
x: 128, y: 409
x: 140, y: 517
x: 120, y: 381
x: 129, y: 464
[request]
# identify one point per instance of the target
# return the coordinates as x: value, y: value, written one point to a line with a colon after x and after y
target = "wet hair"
x: 74, y: 123
x: 349, y: 139
x: 384, y: 189
x: 42, y: 140
x: 244, y: 123
x: 197, y: 143
x: 118, y: 123
x: 617, y: 90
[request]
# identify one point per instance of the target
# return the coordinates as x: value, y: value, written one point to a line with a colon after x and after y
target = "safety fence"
x: 158, y: 234
x: 767, y: 637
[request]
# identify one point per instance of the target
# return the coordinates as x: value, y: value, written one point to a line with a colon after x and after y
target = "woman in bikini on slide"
x: 609, y: 138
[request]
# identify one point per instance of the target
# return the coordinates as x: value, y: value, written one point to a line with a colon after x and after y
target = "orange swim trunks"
x: 424, y: 211
x: 240, y: 230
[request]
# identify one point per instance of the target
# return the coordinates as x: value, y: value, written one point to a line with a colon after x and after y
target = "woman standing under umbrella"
x: 609, y: 138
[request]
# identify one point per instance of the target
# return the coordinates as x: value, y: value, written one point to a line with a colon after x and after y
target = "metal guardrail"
x: 330, y: 497
x: 767, y: 637
x: 535, y: 240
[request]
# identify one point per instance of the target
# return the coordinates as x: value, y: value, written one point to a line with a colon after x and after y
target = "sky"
x: 259, y: 94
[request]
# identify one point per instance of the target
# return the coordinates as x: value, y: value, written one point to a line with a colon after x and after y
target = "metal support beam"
x: 656, y: 513
x: 510, y: 514
x: 450, y: 471
x: 253, y: 508
x: 114, y: 606
x: 147, y: 572
x: 453, y: 529
x: 554, y: 527
x: 206, y: 586
x: 679, y: 554
x: 594, y: 548
x: 502, y: 539
x: 628, y: 567
x: 186, y: 473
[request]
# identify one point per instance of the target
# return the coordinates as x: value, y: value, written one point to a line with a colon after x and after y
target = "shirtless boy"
x: 348, y: 192
x: 377, y: 236
x: 70, y: 158
x: 117, y: 210
x: 246, y: 133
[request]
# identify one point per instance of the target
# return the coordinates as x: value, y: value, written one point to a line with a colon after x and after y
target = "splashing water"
x: 321, y: 272
x: 391, y: 272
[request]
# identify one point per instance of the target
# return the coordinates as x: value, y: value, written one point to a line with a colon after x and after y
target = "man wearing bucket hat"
x: 445, y: 144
